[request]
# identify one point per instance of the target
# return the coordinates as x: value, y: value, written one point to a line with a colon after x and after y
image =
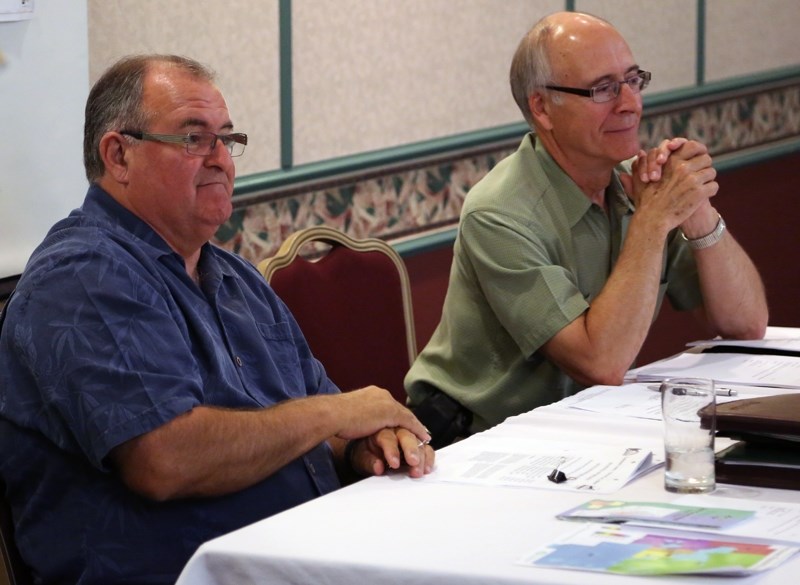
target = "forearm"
x: 619, y: 319
x: 600, y: 346
x: 212, y: 451
x: 734, y: 300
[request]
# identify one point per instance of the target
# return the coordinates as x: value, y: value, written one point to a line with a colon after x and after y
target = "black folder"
x: 766, y: 418
x: 759, y: 464
x: 768, y: 451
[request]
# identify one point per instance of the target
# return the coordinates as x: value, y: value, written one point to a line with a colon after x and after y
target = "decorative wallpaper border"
x: 418, y: 197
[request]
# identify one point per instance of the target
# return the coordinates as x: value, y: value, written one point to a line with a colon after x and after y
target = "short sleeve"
x: 110, y: 359
x: 522, y: 277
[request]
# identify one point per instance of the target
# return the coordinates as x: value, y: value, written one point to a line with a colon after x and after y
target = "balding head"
x: 543, y: 49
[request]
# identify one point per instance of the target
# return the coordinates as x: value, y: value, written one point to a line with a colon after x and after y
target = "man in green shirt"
x: 563, y: 258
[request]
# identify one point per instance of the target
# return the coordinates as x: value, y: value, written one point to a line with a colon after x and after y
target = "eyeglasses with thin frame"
x: 605, y: 92
x: 197, y: 143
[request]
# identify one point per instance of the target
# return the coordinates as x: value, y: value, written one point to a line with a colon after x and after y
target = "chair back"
x: 353, y: 305
x: 13, y: 570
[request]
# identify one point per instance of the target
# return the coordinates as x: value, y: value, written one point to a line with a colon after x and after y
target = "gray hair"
x: 115, y: 102
x: 530, y: 67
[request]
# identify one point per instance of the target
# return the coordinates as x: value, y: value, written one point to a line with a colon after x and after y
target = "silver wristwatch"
x: 708, y: 240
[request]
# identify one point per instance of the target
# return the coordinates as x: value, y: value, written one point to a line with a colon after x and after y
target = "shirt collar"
x: 99, y: 204
x: 102, y: 206
x: 574, y: 201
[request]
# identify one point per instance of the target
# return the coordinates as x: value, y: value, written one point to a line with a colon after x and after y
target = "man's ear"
x: 540, y: 110
x: 113, y: 151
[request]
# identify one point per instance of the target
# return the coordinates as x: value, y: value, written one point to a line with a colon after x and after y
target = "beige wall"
x: 745, y: 37
x: 380, y: 73
x: 371, y: 74
x: 662, y: 36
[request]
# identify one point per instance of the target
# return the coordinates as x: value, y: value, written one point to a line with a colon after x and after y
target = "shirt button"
x: 238, y: 361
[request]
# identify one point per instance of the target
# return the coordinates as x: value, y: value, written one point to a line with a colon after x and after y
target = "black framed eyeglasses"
x: 197, y: 143
x: 605, y: 92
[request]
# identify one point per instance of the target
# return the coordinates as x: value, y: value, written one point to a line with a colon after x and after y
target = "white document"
x: 638, y: 400
x: 517, y: 462
x: 635, y: 400
x: 777, y: 371
x: 776, y: 338
x: 641, y: 400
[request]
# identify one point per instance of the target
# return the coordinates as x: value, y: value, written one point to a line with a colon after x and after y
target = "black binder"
x: 768, y: 451
x: 766, y: 418
x: 759, y: 464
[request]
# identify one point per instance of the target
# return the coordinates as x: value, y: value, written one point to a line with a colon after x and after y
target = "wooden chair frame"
x: 290, y: 249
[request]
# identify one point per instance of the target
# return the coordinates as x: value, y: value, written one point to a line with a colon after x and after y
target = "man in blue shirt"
x: 155, y: 391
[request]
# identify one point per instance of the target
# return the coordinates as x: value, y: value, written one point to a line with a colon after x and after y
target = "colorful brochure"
x: 628, y: 550
x: 658, y: 513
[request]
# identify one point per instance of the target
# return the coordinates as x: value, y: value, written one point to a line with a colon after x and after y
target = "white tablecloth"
x: 389, y: 530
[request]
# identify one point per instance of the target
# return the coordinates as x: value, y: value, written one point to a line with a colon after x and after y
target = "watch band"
x: 708, y: 240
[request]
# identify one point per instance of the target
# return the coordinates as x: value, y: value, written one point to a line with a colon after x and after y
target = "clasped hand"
x: 386, y: 434
x: 674, y: 183
x: 392, y: 448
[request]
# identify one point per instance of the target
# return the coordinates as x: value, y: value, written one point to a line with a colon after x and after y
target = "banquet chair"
x: 352, y: 300
x: 13, y: 570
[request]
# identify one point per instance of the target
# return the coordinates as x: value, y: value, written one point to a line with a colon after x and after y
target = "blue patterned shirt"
x: 106, y: 338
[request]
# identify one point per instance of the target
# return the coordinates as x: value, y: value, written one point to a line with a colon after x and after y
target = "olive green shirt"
x: 531, y: 254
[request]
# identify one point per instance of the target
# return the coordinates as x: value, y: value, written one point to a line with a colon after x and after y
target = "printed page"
x: 777, y: 371
x: 638, y: 400
x: 776, y: 338
x: 517, y: 462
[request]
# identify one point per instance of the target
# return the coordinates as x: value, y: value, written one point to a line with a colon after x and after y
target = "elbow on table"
x: 756, y: 329
x: 602, y: 374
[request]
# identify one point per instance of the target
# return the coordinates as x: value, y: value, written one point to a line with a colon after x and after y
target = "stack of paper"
x: 777, y: 340
x: 776, y: 371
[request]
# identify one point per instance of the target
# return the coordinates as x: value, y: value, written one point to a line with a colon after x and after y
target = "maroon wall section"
x: 761, y: 205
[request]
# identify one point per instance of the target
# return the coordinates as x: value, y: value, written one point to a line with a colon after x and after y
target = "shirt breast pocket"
x: 280, y: 363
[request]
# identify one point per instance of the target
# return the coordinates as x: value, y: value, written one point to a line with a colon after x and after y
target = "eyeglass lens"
x: 608, y: 91
x: 203, y: 143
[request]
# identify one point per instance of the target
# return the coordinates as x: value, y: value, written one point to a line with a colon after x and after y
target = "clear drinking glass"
x: 688, y: 440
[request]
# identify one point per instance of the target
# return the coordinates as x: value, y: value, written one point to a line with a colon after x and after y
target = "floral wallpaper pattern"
x: 413, y: 200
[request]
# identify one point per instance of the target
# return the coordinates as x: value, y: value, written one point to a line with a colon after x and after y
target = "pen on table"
x: 717, y: 391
